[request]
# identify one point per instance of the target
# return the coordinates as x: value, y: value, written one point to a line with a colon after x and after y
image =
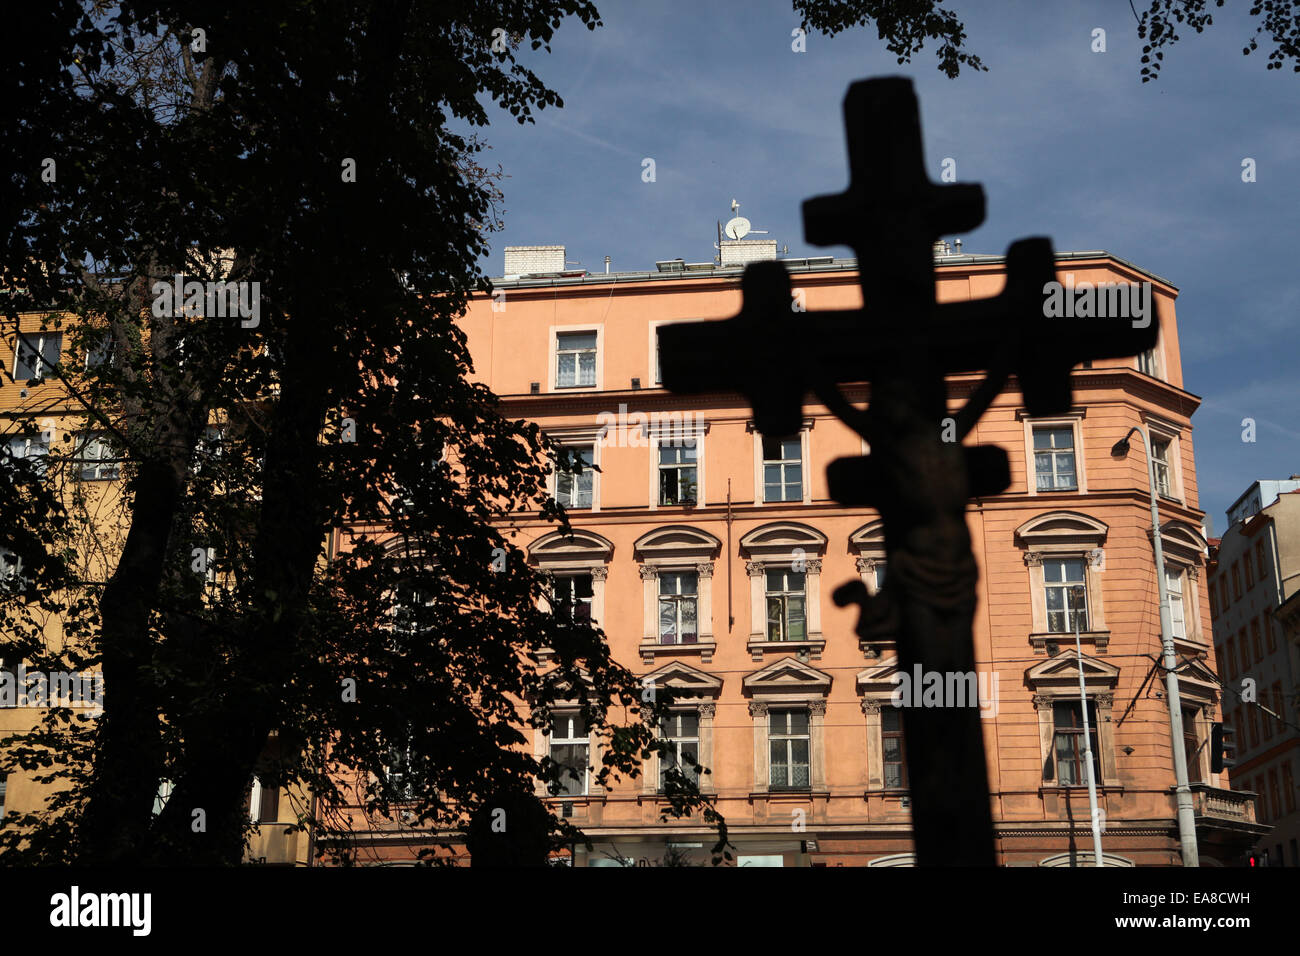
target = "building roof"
x: 674, y: 269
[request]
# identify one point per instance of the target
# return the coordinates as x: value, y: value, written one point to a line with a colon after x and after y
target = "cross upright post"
x: 918, y: 475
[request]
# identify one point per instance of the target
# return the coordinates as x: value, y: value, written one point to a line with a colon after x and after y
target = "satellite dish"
x: 737, y: 228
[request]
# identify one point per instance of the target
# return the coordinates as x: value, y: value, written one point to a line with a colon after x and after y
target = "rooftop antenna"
x: 738, y: 227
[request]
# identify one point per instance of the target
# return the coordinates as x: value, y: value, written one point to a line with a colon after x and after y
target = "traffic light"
x: 1223, y: 748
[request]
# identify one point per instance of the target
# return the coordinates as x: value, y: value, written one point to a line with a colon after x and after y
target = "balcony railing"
x: 1233, y: 806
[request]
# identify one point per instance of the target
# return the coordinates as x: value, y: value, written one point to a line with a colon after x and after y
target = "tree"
x: 1279, y: 21
x: 308, y: 158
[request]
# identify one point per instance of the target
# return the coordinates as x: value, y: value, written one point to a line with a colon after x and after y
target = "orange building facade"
x: 708, y: 554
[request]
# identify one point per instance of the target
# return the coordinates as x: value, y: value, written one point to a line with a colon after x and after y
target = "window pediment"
x: 869, y: 539
x: 780, y: 539
x: 578, y: 547
x: 676, y: 542
x: 1182, y: 541
x: 787, y: 676
x: 1060, y: 674
x: 1062, y: 528
x: 878, y: 679
x: 684, y: 680
x: 1198, y: 682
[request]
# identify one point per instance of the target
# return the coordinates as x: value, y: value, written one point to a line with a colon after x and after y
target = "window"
x: 1263, y: 804
x: 1269, y: 632
x: 1275, y: 799
x: 573, y: 489
x: 575, y: 359
x: 1252, y: 726
x: 1249, y: 565
x: 682, y: 734
x: 1236, y: 581
x: 1146, y: 362
x: 1230, y: 657
x: 1054, y: 459
x: 1223, y: 592
x: 398, y: 783
x: 891, y: 737
x: 264, y: 802
x: 1160, y: 464
x: 782, y: 469
x: 677, y: 472
x: 659, y: 375
x: 572, y: 596
x: 11, y: 572
x: 410, y: 612
x: 1066, y: 594
x: 34, y: 354
x: 99, y: 351
x: 789, y: 746
x: 30, y: 448
x: 1245, y: 649
x: 569, y: 748
x: 1191, y: 745
x: 1288, y: 792
x: 785, y: 605
x: 678, y: 607
x: 1177, y: 615
x: 1254, y: 640
x: 1279, y: 707
x: 1260, y: 563
x: 96, y: 457
x: 880, y: 575
x: 1214, y: 601
x: 160, y: 798
x: 1069, y: 744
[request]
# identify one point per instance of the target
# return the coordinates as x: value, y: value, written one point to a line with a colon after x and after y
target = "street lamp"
x: 1186, y: 815
x: 1080, y: 595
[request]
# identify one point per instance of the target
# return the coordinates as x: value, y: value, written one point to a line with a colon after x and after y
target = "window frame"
x: 574, y: 600
x: 577, y: 739
x: 678, y: 599
x: 1075, y: 733
x: 42, y: 439
x: 1069, y: 588
x: 783, y: 463
x: 553, y: 379
x: 679, y: 466
x: 43, y: 364
x: 886, y: 735
x: 790, y: 739
x: 82, y: 441
x: 806, y: 473
x: 784, y: 597
x: 675, y: 739
x: 557, y: 473
x: 669, y: 433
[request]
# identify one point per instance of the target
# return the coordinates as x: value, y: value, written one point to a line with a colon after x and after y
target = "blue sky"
x: 1066, y: 142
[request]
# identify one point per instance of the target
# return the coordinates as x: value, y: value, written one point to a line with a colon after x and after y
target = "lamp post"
x: 1079, y: 592
x: 1186, y: 815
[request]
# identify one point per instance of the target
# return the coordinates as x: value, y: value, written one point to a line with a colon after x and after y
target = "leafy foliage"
x: 296, y: 653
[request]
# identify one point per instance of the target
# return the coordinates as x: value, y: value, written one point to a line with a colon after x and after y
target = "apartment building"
x: 44, y: 423
x: 1254, y: 571
x: 708, y: 553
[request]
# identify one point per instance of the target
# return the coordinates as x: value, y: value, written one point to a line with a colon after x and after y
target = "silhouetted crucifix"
x: 918, y: 475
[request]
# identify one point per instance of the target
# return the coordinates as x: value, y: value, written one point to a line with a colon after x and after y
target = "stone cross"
x: 918, y: 475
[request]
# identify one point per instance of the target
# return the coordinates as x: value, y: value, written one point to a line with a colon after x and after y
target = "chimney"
x: 740, y: 252
x: 533, y: 260
x: 940, y: 248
